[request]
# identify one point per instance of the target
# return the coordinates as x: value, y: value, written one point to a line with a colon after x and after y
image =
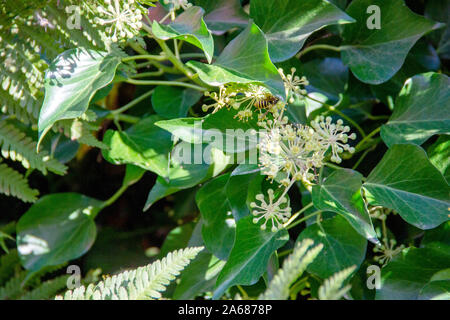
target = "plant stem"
x: 145, y: 56
x: 319, y: 46
x: 165, y: 83
x: 304, y: 219
x: 366, y: 138
x: 123, y: 117
x: 309, y: 205
x: 148, y: 74
x: 132, y: 103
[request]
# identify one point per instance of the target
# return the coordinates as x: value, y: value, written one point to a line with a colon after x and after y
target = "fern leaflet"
x: 140, y: 284
x: 293, y: 267
x: 332, y: 288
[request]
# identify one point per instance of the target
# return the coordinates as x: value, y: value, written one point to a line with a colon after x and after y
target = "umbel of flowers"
x: 287, y: 152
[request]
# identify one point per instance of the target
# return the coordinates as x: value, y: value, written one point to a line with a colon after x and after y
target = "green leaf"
x: 143, y: 144
x: 288, y: 23
x: 57, y: 228
x: 222, y: 15
x: 220, y: 129
x: 218, y: 229
x: 244, y: 183
x: 375, y: 55
x: 244, y: 60
x: 199, y: 276
x: 341, y: 192
x: 421, y: 58
x: 71, y: 81
x: 250, y: 255
x: 343, y: 247
x: 188, y: 168
x: 405, y: 276
x: 190, y: 27
x: 436, y: 290
x: 405, y: 181
x: 173, y: 102
x: 421, y: 110
x: 177, y: 238
x: 439, y: 154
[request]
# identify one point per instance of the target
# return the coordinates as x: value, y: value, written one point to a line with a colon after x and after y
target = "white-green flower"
x: 277, y: 212
x: 122, y: 18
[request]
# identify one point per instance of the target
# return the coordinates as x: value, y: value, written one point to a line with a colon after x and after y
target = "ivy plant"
x: 299, y: 149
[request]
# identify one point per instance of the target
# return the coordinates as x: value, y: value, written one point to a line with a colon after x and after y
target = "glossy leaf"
x: 218, y: 229
x: 219, y: 129
x: 57, y: 228
x: 190, y: 27
x: 288, y: 23
x: 250, y: 255
x: 421, y: 110
x: 173, y: 102
x: 244, y: 60
x: 342, y: 246
x: 375, y: 55
x: 439, y: 154
x: 341, y: 192
x: 71, y: 81
x: 242, y: 187
x: 405, y: 181
x: 222, y: 15
x: 436, y: 290
x: 404, y: 277
x: 187, y: 172
x: 143, y: 144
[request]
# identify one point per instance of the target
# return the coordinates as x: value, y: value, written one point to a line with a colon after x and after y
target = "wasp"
x: 266, y: 102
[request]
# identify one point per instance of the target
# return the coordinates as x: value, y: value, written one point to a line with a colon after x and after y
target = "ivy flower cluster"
x: 277, y: 212
x: 387, y: 251
x: 246, y: 99
x: 122, y: 18
x: 294, y: 85
x: 177, y: 4
x: 287, y: 152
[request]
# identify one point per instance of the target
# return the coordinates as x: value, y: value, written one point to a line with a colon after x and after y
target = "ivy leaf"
x: 57, y: 228
x: 405, y: 181
x: 435, y: 290
x: 222, y: 15
x: 375, y: 55
x: 143, y: 144
x: 244, y: 60
x: 341, y: 192
x: 420, y: 110
x: 188, y: 167
x: 71, y: 81
x: 190, y: 27
x: 173, y: 102
x: 250, y: 255
x: 342, y: 246
x: 405, y: 276
x: 242, y: 187
x: 439, y: 154
x: 220, y: 129
x: 218, y: 229
x: 288, y: 23
x: 202, y: 272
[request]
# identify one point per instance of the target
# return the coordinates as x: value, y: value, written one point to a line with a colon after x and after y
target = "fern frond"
x: 17, y: 146
x: 332, y: 288
x: 47, y: 289
x: 12, y: 289
x: 8, y: 264
x: 293, y: 267
x: 140, y: 284
x: 14, y: 184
